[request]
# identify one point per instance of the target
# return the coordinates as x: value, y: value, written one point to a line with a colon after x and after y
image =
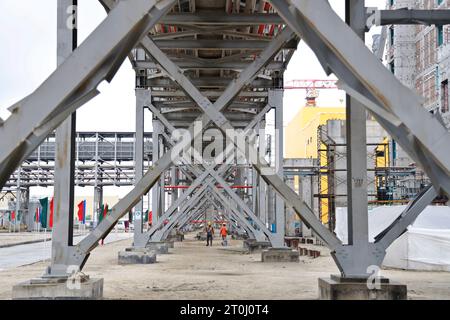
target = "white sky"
x: 28, y: 57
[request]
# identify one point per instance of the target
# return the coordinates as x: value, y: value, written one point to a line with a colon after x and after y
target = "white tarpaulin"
x: 426, y: 244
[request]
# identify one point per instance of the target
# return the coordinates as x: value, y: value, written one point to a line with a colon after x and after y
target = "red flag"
x: 13, y: 215
x: 81, y: 211
x: 105, y: 211
x: 150, y: 217
x: 36, y: 216
x: 51, y: 213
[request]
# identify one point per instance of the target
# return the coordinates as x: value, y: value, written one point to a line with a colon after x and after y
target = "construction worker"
x: 224, y: 233
x: 209, y: 234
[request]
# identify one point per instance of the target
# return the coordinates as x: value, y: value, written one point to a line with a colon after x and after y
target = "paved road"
x: 21, y: 255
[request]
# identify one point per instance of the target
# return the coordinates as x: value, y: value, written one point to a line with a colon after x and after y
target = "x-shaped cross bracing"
x: 339, y: 50
x: 215, y: 174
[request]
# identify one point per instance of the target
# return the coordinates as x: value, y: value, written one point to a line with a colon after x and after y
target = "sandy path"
x: 194, y: 271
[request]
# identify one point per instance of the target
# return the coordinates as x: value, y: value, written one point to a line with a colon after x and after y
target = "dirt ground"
x: 194, y: 271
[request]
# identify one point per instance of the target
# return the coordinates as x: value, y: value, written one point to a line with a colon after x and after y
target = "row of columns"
x: 266, y: 205
x: 65, y: 162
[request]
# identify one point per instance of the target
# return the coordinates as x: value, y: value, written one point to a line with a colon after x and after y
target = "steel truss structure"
x: 220, y: 63
x: 101, y: 159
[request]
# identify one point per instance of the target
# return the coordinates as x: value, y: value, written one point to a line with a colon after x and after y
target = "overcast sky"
x: 28, y: 57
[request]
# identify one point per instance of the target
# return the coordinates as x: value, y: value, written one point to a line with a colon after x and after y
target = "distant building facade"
x: 419, y: 56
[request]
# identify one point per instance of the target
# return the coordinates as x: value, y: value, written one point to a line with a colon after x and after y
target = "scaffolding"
x: 387, y: 184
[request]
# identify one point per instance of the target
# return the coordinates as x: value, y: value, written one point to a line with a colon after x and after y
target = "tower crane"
x: 312, y: 87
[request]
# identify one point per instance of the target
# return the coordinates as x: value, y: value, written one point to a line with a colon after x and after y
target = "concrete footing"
x: 159, y: 247
x: 177, y: 237
x: 170, y: 243
x: 339, y: 288
x: 236, y: 236
x: 59, y: 289
x: 137, y: 256
x: 280, y: 255
x: 201, y: 236
x: 252, y: 245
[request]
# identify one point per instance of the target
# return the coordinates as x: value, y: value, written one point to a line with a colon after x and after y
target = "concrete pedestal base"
x: 175, y: 238
x: 280, y: 255
x: 252, y: 245
x: 137, y: 256
x: 159, y: 247
x: 201, y: 236
x: 58, y: 289
x: 338, y: 288
x: 170, y: 243
x: 239, y: 236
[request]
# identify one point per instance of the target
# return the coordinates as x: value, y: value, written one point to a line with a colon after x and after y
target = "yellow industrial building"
x: 302, y: 140
x: 301, y: 132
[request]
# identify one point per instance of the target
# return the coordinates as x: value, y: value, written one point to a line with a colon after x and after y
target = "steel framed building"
x: 221, y: 63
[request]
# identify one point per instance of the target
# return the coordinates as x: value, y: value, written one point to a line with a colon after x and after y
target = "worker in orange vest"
x: 224, y: 233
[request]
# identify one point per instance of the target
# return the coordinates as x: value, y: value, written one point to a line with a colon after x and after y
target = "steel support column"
x: 276, y: 100
x: 64, y: 186
x: 142, y: 96
x: 156, y: 190
x: 358, y: 224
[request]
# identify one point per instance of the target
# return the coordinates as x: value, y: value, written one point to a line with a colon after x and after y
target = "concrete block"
x: 201, y: 236
x: 58, y: 289
x: 177, y: 237
x: 159, y: 247
x: 292, y: 242
x: 338, y: 288
x: 236, y: 236
x: 137, y: 256
x: 303, y: 251
x: 252, y: 245
x: 280, y: 255
x: 170, y: 243
x: 180, y: 237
